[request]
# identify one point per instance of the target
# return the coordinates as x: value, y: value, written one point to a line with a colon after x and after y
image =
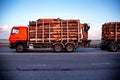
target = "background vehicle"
x: 110, y: 36
x: 50, y: 33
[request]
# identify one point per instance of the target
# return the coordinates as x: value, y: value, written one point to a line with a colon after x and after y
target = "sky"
x: 93, y: 12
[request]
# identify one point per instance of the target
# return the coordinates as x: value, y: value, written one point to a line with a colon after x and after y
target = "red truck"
x: 50, y: 33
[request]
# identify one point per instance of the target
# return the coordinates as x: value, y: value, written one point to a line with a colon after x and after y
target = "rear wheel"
x: 70, y: 47
x: 58, y: 47
x: 113, y: 47
x: 20, y: 48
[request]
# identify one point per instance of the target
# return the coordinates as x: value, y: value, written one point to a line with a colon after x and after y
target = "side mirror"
x: 87, y: 27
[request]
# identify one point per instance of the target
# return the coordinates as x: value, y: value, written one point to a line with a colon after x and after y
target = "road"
x: 83, y: 64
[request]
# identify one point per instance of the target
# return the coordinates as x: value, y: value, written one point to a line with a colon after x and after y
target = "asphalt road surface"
x: 83, y: 64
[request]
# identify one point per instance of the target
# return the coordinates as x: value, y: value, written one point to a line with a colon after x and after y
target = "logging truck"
x: 110, y: 36
x: 46, y: 33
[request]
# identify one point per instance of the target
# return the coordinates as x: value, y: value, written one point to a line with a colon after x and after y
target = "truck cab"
x: 18, y: 37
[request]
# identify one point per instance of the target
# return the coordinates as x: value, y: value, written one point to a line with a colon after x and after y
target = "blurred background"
x: 93, y: 12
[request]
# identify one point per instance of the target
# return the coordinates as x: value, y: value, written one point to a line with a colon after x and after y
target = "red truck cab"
x: 18, y: 36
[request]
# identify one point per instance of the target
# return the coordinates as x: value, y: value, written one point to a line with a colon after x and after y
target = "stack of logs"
x: 54, y: 30
x: 111, y: 31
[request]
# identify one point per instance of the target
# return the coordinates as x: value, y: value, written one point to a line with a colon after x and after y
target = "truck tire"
x: 20, y: 48
x: 113, y: 47
x: 58, y: 47
x: 69, y: 47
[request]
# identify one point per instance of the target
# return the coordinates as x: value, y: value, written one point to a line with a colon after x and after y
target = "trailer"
x: 50, y: 33
x: 110, y: 36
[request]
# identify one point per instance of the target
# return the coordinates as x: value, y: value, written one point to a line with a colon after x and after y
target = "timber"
x: 55, y: 30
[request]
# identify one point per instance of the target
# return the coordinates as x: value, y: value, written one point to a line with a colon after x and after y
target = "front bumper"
x: 12, y: 45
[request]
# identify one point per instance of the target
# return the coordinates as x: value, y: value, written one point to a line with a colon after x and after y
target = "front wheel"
x: 20, y: 48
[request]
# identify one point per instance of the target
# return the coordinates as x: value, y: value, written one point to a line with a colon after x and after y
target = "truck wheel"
x: 69, y: 47
x: 58, y: 47
x: 20, y: 48
x: 113, y: 47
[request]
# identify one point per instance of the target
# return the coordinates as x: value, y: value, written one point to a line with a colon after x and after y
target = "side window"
x: 15, y: 31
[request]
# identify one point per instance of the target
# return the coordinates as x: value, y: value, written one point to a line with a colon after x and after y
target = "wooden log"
x: 55, y: 29
x: 108, y: 30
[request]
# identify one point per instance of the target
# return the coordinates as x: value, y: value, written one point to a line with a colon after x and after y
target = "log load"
x: 111, y: 31
x: 56, y: 30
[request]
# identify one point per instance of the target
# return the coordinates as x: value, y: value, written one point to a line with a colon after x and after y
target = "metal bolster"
x: 81, y: 35
x: 115, y: 31
x: 49, y: 33
x: 82, y: 31
x: 78, y: 31
x: 43, y: 31
x: 36, y: 32
x: 61, y: 32
x: 67, y: 32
